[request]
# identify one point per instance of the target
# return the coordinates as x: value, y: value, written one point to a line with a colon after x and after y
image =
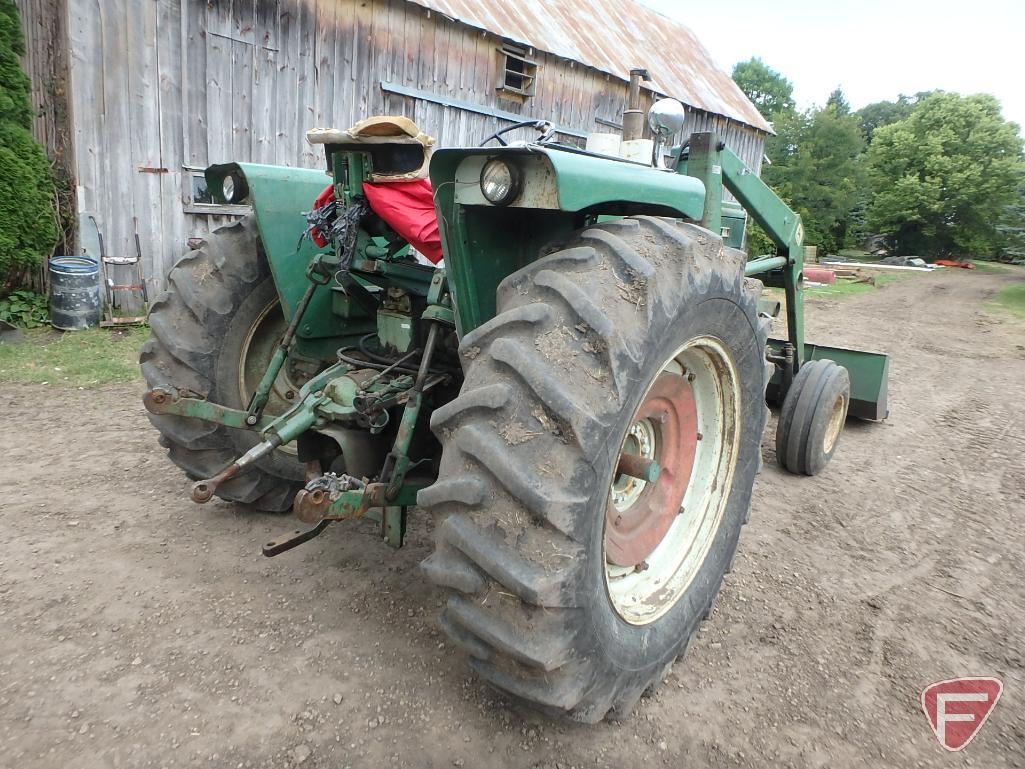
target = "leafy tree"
x: 944, y: 175
x: 772, y: 93
x: 28, y: 223
x: 816, y: 159
x: 28, y: 227
x: 14, y: 83
x: 883, y: 113
x: 1012, y: 227
x: 818, y: 169
x: 839, y: 102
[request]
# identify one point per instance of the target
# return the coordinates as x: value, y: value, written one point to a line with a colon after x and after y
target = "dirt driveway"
x: 139, y: 630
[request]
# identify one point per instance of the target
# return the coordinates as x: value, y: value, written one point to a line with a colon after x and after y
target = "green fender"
x: 279, y: 195
x: 562, y: 190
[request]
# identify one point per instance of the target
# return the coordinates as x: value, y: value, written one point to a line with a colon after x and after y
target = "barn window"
x: 198, y: 199
x: 516, y: 72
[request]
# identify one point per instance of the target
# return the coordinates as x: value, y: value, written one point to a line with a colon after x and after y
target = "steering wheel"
x: 546, y: 129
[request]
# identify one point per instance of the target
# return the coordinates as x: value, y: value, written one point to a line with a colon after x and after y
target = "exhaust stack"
x: 633, y: 117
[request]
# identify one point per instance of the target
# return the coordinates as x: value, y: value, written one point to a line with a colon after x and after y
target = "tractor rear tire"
x: 812, y: 417
x: 590, y: 356
x: 202, y: 328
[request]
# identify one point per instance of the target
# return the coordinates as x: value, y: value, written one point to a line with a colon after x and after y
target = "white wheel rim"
x: 836, y: 420
x: 641, y: 596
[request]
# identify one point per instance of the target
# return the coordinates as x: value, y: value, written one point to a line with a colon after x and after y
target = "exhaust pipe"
x: 633, y: 117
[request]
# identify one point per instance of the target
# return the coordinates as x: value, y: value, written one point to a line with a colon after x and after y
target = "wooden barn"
x: 136, y: 97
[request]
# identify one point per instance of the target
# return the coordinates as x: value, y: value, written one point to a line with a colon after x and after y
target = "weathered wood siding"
x: 158, y: 86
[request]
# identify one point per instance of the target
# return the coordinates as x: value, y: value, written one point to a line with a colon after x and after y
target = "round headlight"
x: 500, y: 182
x: 234, y: 188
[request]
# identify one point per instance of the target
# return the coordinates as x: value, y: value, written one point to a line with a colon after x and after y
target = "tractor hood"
x: 567, y: 179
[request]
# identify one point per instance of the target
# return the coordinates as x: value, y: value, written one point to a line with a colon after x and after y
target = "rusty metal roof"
x: 613, y: 36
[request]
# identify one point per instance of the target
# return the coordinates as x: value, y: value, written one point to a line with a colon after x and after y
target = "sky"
x: 874, y: 49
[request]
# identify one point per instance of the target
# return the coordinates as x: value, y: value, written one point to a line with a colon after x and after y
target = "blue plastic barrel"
x: 75, y: 293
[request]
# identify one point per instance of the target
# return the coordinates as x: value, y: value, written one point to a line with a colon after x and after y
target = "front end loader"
x: 576, y: 393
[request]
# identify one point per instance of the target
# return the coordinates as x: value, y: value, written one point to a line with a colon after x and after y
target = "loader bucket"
x: 868, y: 372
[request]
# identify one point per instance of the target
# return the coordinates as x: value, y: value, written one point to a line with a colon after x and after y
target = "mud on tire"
x: 551, y: 385
x: 198, y: 325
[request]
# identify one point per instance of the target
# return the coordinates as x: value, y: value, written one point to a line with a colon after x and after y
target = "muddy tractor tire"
x: 598, y: 464
x: 212, y: 333
x: 812, y: 417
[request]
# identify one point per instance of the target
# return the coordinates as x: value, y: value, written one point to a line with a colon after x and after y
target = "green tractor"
x: 577, y: 395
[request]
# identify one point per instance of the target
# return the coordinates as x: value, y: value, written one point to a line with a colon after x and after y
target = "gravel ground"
x: 139, y: 630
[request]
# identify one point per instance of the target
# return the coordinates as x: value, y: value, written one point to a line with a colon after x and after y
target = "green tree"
x: 14, y: 83
x: 818, y: 169
x: 883, y: 113
x: 28, y: 223
x: 945, y: 175
x: 1012, y: 226
x: 839, y: 102
x: 772, y: 93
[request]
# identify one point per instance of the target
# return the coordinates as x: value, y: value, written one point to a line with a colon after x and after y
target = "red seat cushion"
x: 408, y: 208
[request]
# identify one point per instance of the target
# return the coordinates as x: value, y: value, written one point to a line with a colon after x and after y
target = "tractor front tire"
x: 220, y: 298
x: 812, y: 417
x: 573, y: 586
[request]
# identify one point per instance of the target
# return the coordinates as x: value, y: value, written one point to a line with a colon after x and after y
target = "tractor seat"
x: 398, y: 150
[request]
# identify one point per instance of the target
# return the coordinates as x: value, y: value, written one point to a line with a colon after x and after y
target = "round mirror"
x: 666, y: 117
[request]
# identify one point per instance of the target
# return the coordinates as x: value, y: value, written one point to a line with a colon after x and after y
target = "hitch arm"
x: 171, y: 400
x: 318, y: 276
x: 285, y: 428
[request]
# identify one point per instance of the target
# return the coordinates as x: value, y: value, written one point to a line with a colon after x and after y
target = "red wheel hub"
x: 631, y: 534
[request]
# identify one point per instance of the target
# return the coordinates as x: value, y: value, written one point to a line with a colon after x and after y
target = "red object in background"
x: 952, y: 263
x: 819, y: 275
x: 408, y: 208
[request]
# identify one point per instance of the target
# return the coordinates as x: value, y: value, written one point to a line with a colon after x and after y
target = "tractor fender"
x: 570, y: 180
x: 278, y: 196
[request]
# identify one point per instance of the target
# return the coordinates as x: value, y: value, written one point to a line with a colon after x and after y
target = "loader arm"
x: 717, y: 166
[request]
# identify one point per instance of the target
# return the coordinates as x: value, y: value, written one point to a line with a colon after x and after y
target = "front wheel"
x: 812, y: 417
x: 598, y: 464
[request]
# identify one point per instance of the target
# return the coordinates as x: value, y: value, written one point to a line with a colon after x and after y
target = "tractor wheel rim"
x: 658, y: 534
x: 258, y: 348
x: 836, y: 420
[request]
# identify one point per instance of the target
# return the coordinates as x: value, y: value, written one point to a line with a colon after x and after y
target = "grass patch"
x: 73, y: 358
x: 1010, y: 299
x: 839, y: 289
x: 843, y: 288
x: 990, y: 268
